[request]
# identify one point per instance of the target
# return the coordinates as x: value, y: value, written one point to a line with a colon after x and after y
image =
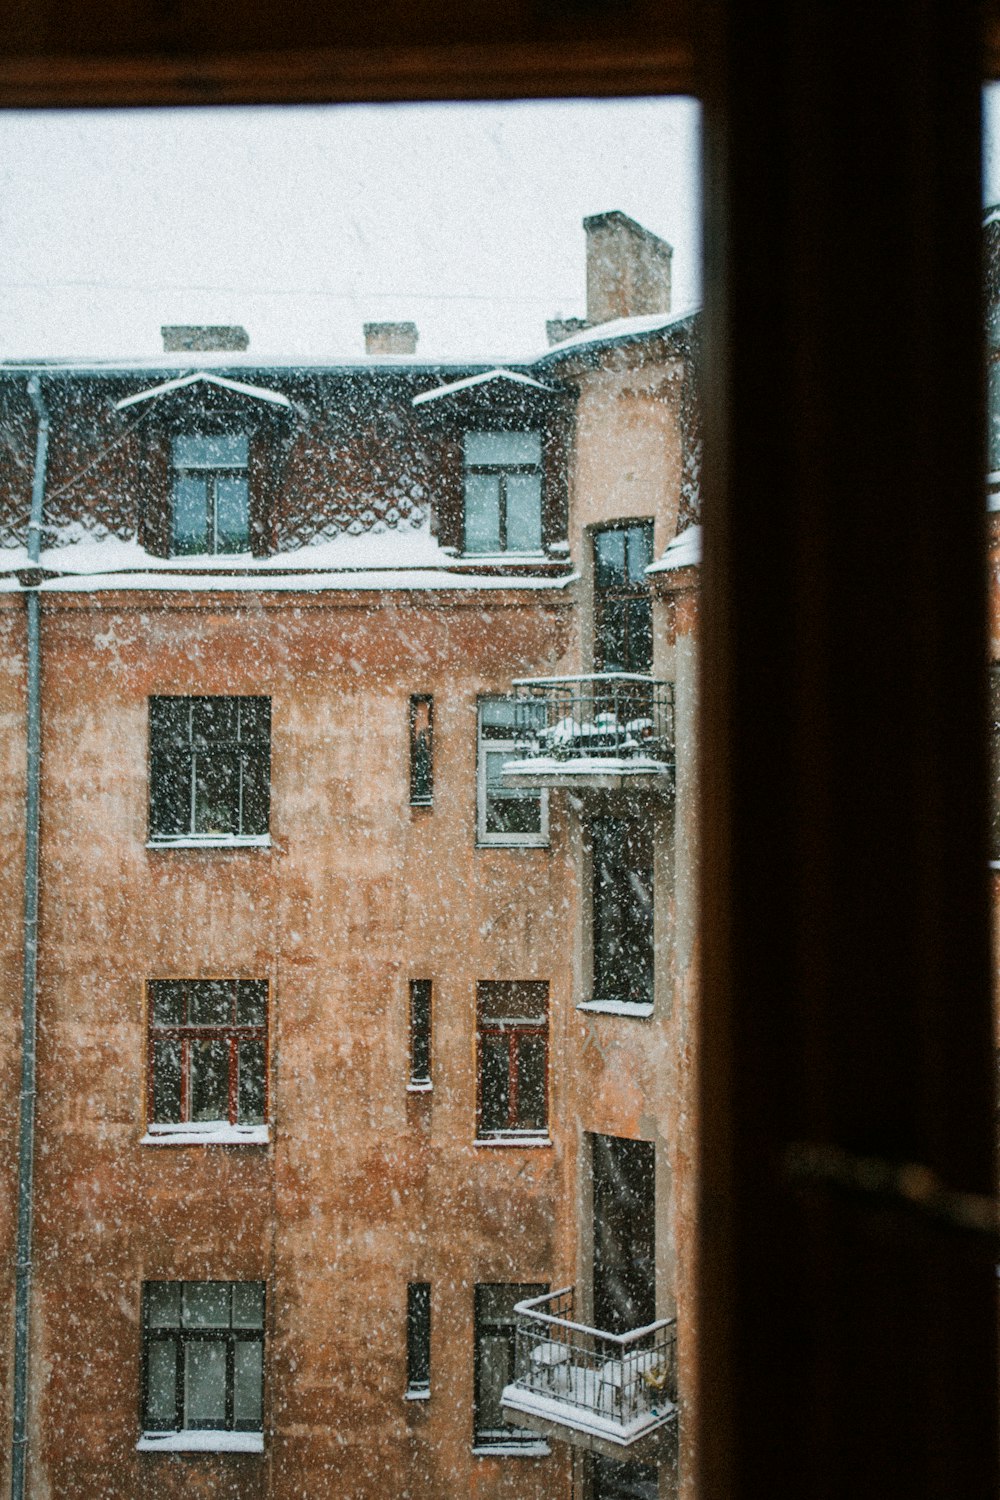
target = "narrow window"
x: 418, y: 1339
x: 503, y: 492
x: 203, y: 1357
x: 505, y: 815
x: 513, y: 1030
x: 623, y: 640
x: 207, y: 1053
x: 495, y: 1327
x: 994, y: 710
x: 420, y: 1033
x: 622, y: 864
x: 209, y: 768
x: 211, y: 502
x: 421, y: 750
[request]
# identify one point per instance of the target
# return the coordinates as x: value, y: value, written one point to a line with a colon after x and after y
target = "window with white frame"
x: 211, y: 494
x: 203, y: 1361
x: 505, y: 815
x: 503, y: 492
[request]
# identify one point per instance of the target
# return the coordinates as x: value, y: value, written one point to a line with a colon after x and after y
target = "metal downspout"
x: 26, y: 1132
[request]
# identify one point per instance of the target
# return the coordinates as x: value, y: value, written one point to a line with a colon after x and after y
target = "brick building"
x: 367, y: 950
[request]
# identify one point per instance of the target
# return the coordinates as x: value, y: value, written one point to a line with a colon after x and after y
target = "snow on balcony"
x: 604, y: 730
x: 613, y: 1393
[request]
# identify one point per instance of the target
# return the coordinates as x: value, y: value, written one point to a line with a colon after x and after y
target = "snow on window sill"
x: 511, y: 1450
x: 417, y: 1393
x: 994, y: 864
x: 210, y: 1441
x: 617, y: 1007
x: 511, y: 841
x: 209, y: 841
x: 532, y: 1141
x: 419, y: 1086
x: 206, y: 1133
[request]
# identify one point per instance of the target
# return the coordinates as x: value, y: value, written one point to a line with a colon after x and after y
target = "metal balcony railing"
x: 617, y: 1386
x: 598, y: 718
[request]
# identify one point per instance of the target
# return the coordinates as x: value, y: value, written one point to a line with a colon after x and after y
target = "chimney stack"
x: 557, y: 329
x: 201, y: 338
x: 628, y: 268
x: 390, y: 338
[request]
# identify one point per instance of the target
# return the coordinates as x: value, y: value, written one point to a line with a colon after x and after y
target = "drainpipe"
x: 26, y: 1133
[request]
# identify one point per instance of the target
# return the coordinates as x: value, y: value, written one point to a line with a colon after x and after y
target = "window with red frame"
x: 208, y: 1051
x: 513, y: 1027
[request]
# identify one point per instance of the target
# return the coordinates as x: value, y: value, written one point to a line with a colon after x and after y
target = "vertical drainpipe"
x: 26, y: 1133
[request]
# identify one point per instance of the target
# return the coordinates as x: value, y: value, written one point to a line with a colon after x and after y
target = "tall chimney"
x: 390, y: 338
x: 628, y: 268
x: 194, y: 338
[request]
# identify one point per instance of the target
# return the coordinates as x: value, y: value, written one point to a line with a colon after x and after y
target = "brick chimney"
x: 628, y: 268
x: 184, y: 338
x: 390, y: 338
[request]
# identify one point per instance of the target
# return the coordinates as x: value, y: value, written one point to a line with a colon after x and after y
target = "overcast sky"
x: 303, y: 223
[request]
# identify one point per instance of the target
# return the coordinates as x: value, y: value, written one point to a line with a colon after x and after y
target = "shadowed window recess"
x: 421, y: 750
x: 418, y: 1338
x: 623, y: 628
x: 420, y: 1033
x: 211, y: 495
x: 210, y: 768
x: 513, y: 1018
x: 207, y: 1051
x: 203, y: 1356
x: 494, y: 1361
x: 622, y: 863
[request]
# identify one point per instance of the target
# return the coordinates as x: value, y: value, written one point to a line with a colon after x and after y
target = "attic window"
x: 503, y: 492
x: 211, y: 500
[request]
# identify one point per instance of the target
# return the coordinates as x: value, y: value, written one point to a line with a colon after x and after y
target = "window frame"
x: 632, y: 822
x: 421, y: 996
x: 212, y: 473
x: 606, y: 596
x: 509, y: 1437
x: 418, y: 1340
x: 232, y: 1033
x: 163, y: 749
x: 503, y: 471
x: 421, y: 750
x: 180, y: 1337
x: 512, y: 1030
x: 507, y: 745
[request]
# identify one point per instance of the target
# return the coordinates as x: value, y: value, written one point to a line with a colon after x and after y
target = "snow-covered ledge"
x: 206, y: 1133
x: 210, y: 841
x: 206, y: 1441
x: 641, y: 1008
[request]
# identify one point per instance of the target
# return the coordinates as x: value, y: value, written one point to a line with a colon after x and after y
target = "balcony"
x: 605, y: 730
x: 615, y: 1394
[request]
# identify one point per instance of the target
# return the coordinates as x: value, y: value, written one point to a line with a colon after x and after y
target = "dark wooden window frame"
x: 421, y: 750
x: 175, y: 755
x: 510, y: 1032
x: 232, y: 1032
x: 607, y: 595
x: 179, y: 1336
x: 508, y: 1435
x: 421, y: 1033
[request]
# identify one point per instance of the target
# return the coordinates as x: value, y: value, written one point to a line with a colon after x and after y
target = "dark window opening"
x: 203, y: 1356
x: 494, y: 1361
x: 211, y: 497
x: 622, y: 861
x: 503, y: 492
x: 210, y: 767
x: 513, y: 1057
x: 208, y: 1051
x: 623, y: 620
x: 622, y: 1479
x: 420, y: 1032
x: 421, y: 750
x: 418, y: 1337
x: 994, y: 711
x: 624, y: 1233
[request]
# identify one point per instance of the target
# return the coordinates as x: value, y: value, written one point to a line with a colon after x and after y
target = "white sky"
x: 303, y: 223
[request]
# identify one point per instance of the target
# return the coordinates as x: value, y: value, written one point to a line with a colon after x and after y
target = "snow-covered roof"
x: 683, y: 552
x: 620, y: 328
x: 471, y: 381
x: 991, y: 215
x: 238, y: 387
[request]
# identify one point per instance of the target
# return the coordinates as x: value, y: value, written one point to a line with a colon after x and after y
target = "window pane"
x: 420, y: 1030
x: 254, y: 720
x: 163, y: 1304
x: 418, y: 1333
x: 612, y: 635
x: 640, y: 553
x: 166, y: 1083
x: 609, y: 558
x: 509, y: 809
x: 204, y: 1384
x: 170, y: 792
x: 223, y: 451
x: 639, y: 645
x: 248, y: 1304
x: 623, y: 909
x: 161, y: 1384
x: 256, y: 765
x: 170, y: 721
x: 210, y: 1002
x: 531, y: 1082
x: 251, y: 1002
x: 232, y: 514
x: 495, y: 1083
x: 251, y: 1094
x: 190, y: 514
x: 524, y: 512
x: 503, y: 448
x: 513, y: 1000
x: 209, y: 1080
x: 206, y: 1304
x: 495, y: 1371
x: 498, y: 717
x: 217, y: 791
x: 213, y: 719
x: 482, y: 513
x: 248, y: 1385
x: 167, y: 998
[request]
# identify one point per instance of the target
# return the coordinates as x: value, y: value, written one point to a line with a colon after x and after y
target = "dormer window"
x: 503, y: 492
x: 211, y: 499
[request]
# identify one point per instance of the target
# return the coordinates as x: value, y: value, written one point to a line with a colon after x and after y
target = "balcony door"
x: 624, y: 1233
